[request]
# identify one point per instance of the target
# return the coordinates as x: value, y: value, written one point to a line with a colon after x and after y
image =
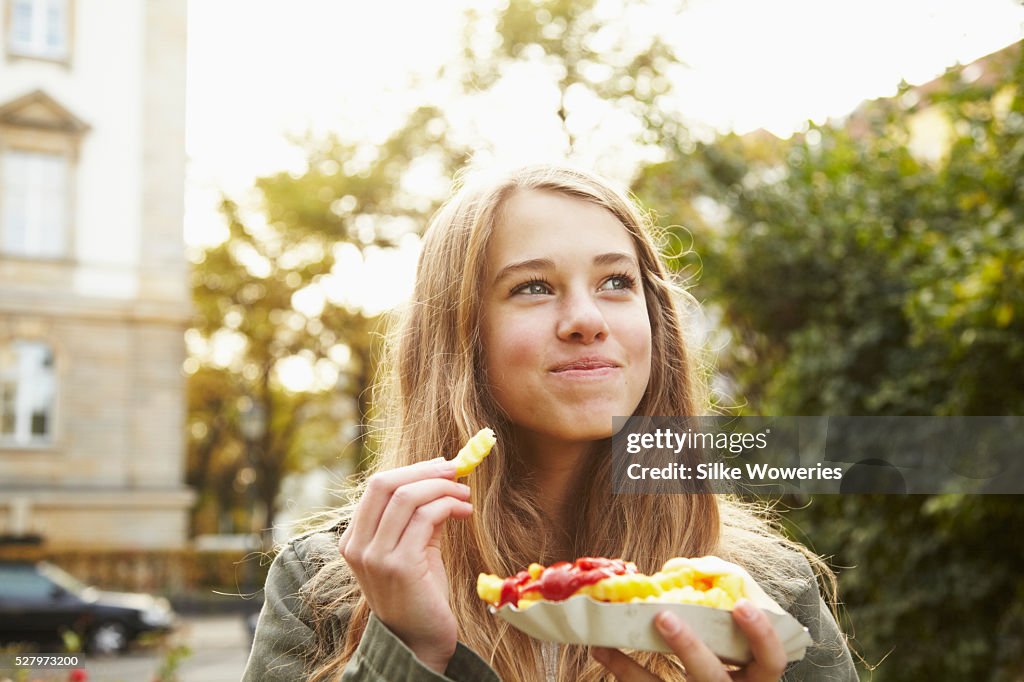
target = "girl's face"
x: 567, y: 340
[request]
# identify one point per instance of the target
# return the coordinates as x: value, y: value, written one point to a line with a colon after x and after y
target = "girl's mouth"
x: 586, y: 367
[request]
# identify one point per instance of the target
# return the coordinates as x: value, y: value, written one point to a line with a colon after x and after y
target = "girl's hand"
x: 393, y: 547
x: 702, y: 665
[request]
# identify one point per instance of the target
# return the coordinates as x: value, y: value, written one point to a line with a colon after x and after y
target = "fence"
x: 193, y: 580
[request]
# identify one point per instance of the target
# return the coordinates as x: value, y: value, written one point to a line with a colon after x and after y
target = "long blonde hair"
x: 433, y: 396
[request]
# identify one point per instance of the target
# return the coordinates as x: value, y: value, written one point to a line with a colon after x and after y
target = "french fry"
x: 473, y: 452
x: 705, y: 582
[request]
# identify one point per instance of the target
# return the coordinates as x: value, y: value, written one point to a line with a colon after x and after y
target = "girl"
x: 542, y: 310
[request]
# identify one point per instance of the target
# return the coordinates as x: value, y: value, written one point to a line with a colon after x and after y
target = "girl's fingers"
x: 769, y: 656
x: 701, y: 664
x: 378, y: 493
x: 622, y: 666
x: 424, y: 525
x: 403, y: 505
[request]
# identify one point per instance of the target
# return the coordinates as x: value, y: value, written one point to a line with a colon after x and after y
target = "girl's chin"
x: 577, y: 425
x: 583, y: 433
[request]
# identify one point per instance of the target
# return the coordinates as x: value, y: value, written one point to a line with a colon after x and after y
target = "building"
x: 931, y: 130
x: 94, y: 293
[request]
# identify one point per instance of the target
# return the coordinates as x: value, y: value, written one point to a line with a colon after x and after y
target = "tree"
x: 858, y: 271
x: 606, y: 63
x: 884, y: 281
x: 275, y: 300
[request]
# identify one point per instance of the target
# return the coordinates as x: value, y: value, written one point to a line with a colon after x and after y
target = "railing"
x: 186, y: 576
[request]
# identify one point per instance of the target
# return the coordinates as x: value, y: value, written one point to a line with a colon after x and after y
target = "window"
x: 27, y: 393
x: 35, y: 204
x: 39, y: 28
x: 39, y: 147
x: 22, y: 583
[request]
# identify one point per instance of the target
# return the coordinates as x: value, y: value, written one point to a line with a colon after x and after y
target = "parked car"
x: 39, y: 602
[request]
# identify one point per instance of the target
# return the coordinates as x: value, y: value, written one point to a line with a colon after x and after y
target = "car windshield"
x: 62, y: 578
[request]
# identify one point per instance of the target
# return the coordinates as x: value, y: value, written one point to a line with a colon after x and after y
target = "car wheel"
x: 108, y: 638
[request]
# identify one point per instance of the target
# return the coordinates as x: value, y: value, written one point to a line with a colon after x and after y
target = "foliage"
x: 860, y: 270
x: 263, y: 299
x: 170, y: 665
x: 861, y: 278
x: 605, y: 61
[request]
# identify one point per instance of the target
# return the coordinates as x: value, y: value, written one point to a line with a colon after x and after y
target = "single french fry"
x: 473, y: 452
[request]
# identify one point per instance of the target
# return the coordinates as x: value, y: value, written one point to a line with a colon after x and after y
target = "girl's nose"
x: 582, y: 320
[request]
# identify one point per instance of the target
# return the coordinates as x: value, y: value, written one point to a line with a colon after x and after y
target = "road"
x: 219, y: 648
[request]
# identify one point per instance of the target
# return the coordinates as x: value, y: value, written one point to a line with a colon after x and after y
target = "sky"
x: 260, y: 71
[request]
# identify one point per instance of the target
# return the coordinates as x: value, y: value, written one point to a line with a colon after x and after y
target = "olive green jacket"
x: 283, y: 636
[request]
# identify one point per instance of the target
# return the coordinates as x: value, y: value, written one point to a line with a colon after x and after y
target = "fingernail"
x: 745, y: 610
x: 667, y: 623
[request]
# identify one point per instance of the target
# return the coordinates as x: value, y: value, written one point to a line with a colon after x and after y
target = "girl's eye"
x: 536, y: 287
x: 618, y: 283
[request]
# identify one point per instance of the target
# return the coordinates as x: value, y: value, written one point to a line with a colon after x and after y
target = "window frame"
x: 58, y: 132
x: 64, y: 228
x: 33, y: 575
x: 16, y: 50
x: 49, y: 440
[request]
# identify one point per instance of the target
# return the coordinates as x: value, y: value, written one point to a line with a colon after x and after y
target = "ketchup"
x: 561, y: 580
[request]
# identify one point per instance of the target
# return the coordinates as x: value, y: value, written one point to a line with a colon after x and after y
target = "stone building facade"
x: 93, y: 276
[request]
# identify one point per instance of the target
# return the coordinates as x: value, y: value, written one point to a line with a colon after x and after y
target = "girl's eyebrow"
x: 534, y: 264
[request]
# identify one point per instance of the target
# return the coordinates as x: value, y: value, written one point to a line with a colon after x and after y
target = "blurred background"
x: 207, y: 210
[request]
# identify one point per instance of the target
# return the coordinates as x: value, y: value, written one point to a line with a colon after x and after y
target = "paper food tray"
x: 581, y: 620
